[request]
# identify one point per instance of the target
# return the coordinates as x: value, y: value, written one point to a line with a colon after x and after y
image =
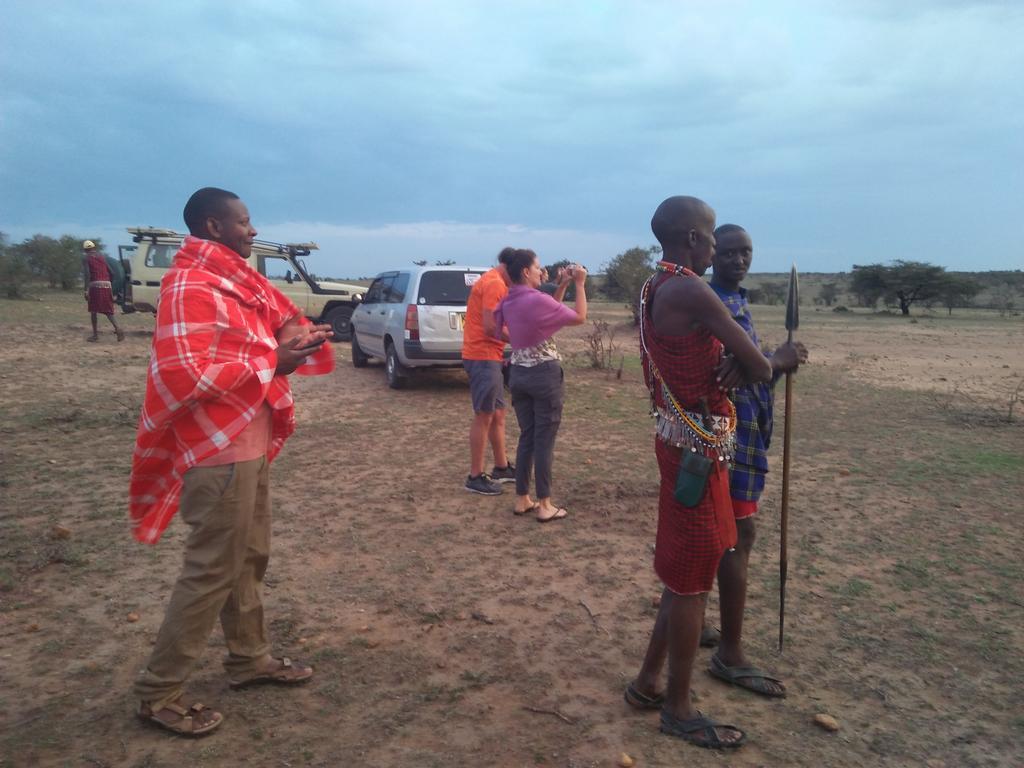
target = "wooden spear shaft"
x: 784, y: 522
x: 792, y: 323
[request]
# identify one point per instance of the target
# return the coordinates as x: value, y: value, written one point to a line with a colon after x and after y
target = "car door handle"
x: 381, y: 312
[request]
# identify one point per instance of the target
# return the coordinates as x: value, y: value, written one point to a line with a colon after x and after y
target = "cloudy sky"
x: 835, y: 132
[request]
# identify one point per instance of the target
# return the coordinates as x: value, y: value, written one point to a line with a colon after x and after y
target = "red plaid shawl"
x: 212, y: 367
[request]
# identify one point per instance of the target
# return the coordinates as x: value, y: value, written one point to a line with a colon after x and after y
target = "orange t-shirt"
x: 486, y: 293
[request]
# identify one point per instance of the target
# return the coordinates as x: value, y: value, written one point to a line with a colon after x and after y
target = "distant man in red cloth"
x: 99, y: 291
x: 218, y: 408
x: 683, y: 329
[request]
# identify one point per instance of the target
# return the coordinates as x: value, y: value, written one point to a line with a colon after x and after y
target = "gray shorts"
x: 486, y: 385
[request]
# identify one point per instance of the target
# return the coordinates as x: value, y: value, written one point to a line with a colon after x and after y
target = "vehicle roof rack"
x: 157, y: 233
x: 152, y: 233
x: 296, y: 249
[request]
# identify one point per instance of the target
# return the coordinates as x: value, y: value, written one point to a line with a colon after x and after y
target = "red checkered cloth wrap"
x: 691, y: 540
x: 212, y: 368
x: 101, y: 297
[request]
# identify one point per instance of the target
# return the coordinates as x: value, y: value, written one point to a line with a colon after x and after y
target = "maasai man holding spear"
x: 754, y: 402
x: 683, y: 329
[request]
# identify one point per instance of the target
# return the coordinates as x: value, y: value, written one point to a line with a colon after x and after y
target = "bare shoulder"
x: 679, y: 303
x: 687, y: 289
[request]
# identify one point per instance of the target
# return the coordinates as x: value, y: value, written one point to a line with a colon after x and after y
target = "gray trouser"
x: 537, y: 396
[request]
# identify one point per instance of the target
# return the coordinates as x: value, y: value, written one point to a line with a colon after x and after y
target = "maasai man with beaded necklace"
x: 683, y: 328
x: 754, y: 403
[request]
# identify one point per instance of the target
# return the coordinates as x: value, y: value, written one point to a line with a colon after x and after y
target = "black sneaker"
x: 504, y: 474
x: 482, y: 484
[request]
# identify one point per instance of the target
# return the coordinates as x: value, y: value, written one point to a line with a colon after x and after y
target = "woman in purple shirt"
x: 531, y: 318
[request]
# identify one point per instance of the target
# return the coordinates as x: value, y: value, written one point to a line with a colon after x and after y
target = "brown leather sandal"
x: 288, y: 672
x: 187, y: 722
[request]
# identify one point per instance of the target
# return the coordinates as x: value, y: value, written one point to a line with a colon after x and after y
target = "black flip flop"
x: 639, y: 700
x: 709, y: 637
x: 559, y: 514
x: 700, y: 731
x: 750, y: 678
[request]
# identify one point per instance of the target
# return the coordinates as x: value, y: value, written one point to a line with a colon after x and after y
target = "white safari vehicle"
x: 413, y: 318
x: 149, y: 258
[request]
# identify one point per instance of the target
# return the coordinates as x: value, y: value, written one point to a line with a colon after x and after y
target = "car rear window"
x: 446, y: 287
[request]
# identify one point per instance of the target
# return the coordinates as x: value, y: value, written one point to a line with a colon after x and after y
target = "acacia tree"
x: 58, y: 262
x: 14, y: 270
x: 626, y: 274
x: 915, y: 281
x: 1004, y: 298
x: 904, y: 282
x: 957, y: 291
x: 869, y: 283
x: 769, y: 292
x: 829, y: 293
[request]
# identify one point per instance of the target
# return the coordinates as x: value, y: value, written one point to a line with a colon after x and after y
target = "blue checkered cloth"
x: 754, y: 407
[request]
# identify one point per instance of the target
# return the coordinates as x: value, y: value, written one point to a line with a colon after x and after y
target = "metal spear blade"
x: 793, y: 302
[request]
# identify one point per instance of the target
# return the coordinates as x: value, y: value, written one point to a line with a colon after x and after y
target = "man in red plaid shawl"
x: 217, y: 410
x: 684, y: 327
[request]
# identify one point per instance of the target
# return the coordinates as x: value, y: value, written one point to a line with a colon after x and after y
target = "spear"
x: 792, y: 323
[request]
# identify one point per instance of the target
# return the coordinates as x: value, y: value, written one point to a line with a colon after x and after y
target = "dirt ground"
x: 447, y: 632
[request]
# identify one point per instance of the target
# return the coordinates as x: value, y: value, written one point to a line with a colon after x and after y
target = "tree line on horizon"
x: 55, y: 261
x: 902, y: 283
x: 898, y: 284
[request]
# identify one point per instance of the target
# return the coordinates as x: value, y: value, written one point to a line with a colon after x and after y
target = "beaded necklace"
x: 678, y: 426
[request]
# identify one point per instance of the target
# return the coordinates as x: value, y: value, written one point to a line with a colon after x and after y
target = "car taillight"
x: 412, y: 322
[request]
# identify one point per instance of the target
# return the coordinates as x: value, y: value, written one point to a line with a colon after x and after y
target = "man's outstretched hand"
x: 293, y: 351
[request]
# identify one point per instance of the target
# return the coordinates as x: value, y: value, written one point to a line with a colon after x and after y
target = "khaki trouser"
x: 226, y: 554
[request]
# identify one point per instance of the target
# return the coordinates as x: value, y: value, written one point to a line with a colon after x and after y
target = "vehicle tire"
x: 340, y: 319
x: 359, y: 358
x: 393, y: 368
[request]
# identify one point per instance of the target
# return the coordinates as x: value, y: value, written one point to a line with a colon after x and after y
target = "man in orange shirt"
x: 482, y: 357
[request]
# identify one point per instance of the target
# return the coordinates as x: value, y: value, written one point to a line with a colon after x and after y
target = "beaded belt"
x: 100, y: 284
x: 676, y: 432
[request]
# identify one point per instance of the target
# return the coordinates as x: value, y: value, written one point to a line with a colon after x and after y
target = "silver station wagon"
x: 413, y: 318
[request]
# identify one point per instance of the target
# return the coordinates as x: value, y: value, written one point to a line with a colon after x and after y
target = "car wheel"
x: 393, y: 368
x: 359, y: 358
x: 340, y: 319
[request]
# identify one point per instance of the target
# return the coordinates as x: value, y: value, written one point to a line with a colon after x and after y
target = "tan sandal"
x: 188, y: 721
x: 288, y: 672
